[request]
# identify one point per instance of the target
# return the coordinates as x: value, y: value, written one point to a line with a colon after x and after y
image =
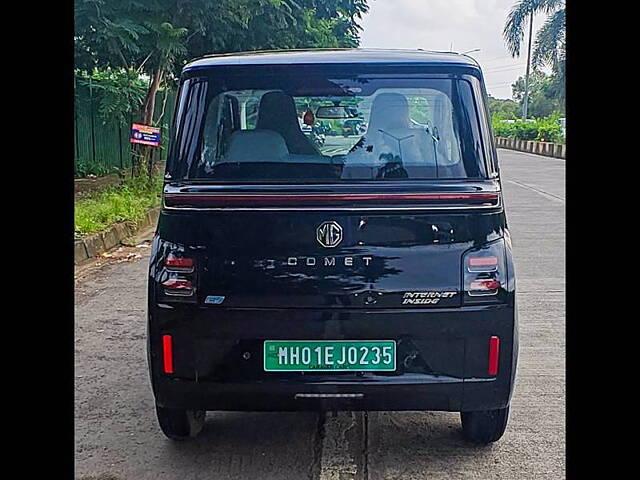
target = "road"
x: 117, y: 436
x: 338, y: 145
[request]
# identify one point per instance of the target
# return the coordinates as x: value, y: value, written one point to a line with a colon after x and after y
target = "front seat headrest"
x: 389, y: 111
x: 256, y: 146
x: 277, y: 112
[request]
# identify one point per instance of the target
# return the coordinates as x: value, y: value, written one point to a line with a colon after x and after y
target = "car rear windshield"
x: 318, y: 128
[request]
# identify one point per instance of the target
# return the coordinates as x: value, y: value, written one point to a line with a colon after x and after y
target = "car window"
x: 337, y: 129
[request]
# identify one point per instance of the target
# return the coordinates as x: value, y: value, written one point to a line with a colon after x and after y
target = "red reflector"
x: 494, y: 354
x: 483, y: 261
x: 167, y: 353
x: 177, y: 284
x: 178, y: 262
x: 484, y: 285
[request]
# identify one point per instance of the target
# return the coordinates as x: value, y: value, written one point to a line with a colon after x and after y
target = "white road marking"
x: 548, y: 195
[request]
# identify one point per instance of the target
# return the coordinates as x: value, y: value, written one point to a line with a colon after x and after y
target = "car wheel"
x: 484, y: 426
x: 178, y: 424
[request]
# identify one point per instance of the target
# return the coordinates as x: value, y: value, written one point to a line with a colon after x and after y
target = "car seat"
x: 256, y: 146
x: 277, y: 112
x: 390, y: 133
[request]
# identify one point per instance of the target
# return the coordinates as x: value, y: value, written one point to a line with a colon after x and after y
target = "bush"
x: 84, y: 168
x: 546, y: 129
x: 129, y: 201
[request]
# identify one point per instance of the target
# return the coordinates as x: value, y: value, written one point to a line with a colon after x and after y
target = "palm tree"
x: 549, y: 47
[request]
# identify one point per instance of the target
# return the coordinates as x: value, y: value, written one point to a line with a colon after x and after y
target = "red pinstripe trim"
x: 235, y: 198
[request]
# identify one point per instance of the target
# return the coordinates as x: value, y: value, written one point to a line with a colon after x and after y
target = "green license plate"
x: 329, y: 355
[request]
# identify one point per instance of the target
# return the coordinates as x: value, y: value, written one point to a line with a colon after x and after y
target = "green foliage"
x: 546, y: 94
x: 547, y: 129
x: 549, y: 49
x: 147, y: 34
x: 84, y: 168
x: 120, y: 92
x: 130, y: 37
x: 550, y: 36
x: 127, y: 202
x: 419, y: 109
x: 170, y: 41
x: 503, y: 108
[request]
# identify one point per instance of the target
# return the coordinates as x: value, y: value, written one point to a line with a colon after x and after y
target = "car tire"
x: 178, y: 424
x: 484, y: 426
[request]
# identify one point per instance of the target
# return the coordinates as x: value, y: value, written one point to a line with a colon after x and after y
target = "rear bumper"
x: 278, y: 396
x: 211, y: 374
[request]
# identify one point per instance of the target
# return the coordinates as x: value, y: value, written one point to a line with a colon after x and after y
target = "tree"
x: 157, y: 37
x: 543, y: 94
x: 550, y: 50
x: 121, y: 92
x: 549, y: 46
x: 506, y: 109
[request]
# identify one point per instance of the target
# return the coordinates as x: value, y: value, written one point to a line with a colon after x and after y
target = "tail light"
x: 177, y: 278
x: 179, y: 263
x: 178, y: 286
x: 484, y: 273
x: 483, y: 264
x: 489, y: 286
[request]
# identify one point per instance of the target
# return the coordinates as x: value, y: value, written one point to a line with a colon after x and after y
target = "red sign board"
x: 145, y: 134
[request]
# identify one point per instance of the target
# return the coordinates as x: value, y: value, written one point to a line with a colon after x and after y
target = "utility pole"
x: 525, y: 103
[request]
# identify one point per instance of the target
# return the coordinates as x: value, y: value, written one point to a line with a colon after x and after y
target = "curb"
x: 546, y: 149
x: 93, y: 245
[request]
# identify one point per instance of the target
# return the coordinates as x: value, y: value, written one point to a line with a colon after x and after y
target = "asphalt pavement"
x: 117, y: 437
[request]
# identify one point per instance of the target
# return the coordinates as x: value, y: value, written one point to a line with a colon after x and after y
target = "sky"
x: 437, y: 24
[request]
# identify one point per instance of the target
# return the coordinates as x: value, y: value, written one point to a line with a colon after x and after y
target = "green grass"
x: 129, y: 201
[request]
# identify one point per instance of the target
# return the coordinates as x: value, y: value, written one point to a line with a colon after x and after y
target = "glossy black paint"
x: 323, y: 57
x: 245, y: 253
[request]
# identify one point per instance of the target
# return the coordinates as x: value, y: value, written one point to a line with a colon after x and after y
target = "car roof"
x: 333, y: 56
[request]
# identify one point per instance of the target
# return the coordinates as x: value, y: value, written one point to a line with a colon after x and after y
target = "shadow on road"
x: 418, y: 444
x: 238, y: 445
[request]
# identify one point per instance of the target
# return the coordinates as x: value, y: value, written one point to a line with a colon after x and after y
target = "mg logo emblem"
x: 329, y: 234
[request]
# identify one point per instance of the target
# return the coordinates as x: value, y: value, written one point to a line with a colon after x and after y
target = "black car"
x: 372, y: 272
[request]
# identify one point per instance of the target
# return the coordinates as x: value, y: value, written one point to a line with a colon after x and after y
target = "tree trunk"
x: 150, y: 101
x: 144, y: 152
x: 525, y: 105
